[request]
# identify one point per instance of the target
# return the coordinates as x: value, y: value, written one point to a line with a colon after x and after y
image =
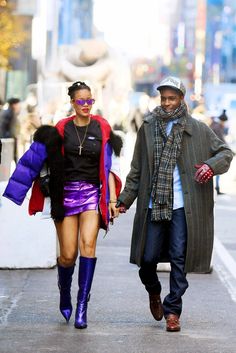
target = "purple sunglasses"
x: 83, y: 101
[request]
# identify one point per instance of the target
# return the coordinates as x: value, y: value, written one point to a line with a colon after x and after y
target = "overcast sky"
x: 137, y: 27
x: 132, y: 25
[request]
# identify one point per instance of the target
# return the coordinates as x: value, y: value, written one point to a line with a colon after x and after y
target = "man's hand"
x: 204, y: 173
x: 121, y: 206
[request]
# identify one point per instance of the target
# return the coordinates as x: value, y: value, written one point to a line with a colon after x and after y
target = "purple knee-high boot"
x: 86, y: 271
x: 64, y: 284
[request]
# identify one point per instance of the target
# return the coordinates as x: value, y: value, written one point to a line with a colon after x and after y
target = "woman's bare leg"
x: 89, y: 223
x: 67, y: 232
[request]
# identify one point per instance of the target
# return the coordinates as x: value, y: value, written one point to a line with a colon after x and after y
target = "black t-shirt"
x: 84, y: 167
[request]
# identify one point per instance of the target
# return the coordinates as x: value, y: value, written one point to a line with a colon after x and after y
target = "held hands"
x: 113, y: 210
x: 121, y: 207
x: 203, y: 174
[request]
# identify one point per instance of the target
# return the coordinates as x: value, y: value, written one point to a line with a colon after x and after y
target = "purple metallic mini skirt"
x: 80, y: 196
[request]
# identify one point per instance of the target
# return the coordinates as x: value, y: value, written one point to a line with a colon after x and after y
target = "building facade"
x: 49, y: 24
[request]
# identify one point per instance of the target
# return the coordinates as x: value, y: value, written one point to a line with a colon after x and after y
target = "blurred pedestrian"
x: 1, y: 104
x: 83, y: 186
x: 0, y: 151
x: 174, y: 212
x: 8, y: 118
x: 29, y: 123
x: 219, y: 128
x: 0, y: 163
x: 223, y: 116
x: 8, y: 121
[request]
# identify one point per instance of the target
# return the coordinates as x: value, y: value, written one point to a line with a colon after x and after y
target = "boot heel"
x: 81, y: 316
x: 86, y: 272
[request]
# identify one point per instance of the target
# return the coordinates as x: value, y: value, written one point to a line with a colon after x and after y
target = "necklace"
x: 81, y: 142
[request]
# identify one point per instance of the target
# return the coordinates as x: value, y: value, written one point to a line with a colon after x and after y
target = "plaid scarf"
x: 166, y: 151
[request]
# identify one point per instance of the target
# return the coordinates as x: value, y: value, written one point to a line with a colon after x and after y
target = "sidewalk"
x: 228, y: 180
x: 119, y: 320
x: 25, y: 242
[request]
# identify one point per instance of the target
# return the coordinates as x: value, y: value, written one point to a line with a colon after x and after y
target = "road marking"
x: 228, y: 208
x: 14, y: 301
x: 230, y: 266
x: 225, y: 256
x: 227, y: 280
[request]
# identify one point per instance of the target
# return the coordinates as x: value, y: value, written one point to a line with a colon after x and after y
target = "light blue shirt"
x: 178, y: 201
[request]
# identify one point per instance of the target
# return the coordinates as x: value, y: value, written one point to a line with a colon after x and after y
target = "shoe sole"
x: 173, y: 330
x: 80, y: 327
x: 157, y: 318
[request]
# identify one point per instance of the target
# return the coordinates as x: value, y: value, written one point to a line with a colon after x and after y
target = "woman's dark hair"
x: 76, y: 86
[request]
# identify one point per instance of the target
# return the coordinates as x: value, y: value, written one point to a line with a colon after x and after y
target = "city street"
x: 118, y: 60
x: 118, y: 318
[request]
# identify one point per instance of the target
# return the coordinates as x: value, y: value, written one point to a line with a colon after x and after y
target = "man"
x: 220, y: 130
x: 219, y: 127
x: 175, y: 158
x: 0, y: 150
x: 8, y: 121
x: 8, y: 118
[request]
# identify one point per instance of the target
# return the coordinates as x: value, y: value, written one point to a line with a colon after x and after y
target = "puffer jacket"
x: 48, y: 141
x: 27, y: 170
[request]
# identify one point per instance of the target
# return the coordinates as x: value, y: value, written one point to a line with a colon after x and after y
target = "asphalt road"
x: 118, y: 318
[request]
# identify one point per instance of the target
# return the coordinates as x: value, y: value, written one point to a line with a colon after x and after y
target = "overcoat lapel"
x: 186, y: 145
x: 149, y: 136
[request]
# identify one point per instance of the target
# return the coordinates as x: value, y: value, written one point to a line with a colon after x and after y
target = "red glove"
x: 121, y: 206
x: 204, y: 173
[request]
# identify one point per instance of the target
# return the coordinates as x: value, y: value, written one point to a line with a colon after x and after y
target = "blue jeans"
x: 173, y: 232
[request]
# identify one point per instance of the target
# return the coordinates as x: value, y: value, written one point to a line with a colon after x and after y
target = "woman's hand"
x: 113, y: 211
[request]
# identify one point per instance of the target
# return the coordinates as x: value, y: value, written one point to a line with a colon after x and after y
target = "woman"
x: 83, y: 189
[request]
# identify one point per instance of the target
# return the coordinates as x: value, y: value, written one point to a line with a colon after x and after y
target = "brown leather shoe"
x: 156, y: 306
x: 172, y: 323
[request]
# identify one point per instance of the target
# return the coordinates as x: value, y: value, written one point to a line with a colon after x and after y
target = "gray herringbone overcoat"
x: 199, y: 145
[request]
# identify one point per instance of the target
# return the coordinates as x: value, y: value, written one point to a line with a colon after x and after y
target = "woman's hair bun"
x: 76, y: 86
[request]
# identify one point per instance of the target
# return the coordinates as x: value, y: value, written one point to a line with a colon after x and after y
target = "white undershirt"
x: 178, y: 201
